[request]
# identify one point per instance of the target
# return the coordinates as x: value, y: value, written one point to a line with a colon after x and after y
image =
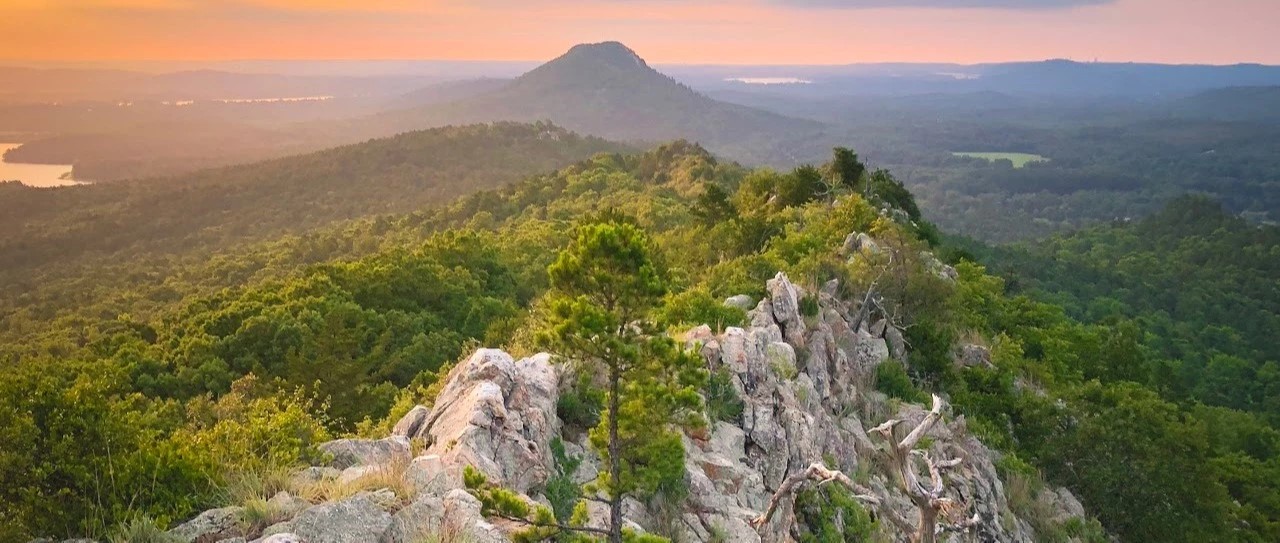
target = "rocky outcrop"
x: 359, y: 519
x: 806, y: 385
x: 497, y: 415
x: 349, y: 453
x: 210, y: 526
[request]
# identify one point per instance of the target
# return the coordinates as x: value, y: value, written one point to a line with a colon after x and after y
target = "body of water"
x: 34, y: 175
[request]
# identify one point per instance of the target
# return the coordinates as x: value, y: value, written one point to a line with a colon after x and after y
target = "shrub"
x: 892, y: 379
x: 562, y: 491
x: 580, y: 406
x: 723, y: 403
x: 809, y: 306
x: 830, y: 514
x: 696, y: 307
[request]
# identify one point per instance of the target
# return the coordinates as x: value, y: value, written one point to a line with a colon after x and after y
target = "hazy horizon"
x: 701, y: 32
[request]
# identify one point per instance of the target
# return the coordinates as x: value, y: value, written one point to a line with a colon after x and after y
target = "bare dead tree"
x: 903, y: 459
x: 928, y: 497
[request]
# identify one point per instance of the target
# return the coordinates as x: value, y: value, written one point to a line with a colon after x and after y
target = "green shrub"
x: 562, y: 491
x: 723, y: 403
x: 580, y: 406
x: 809, y: 306
x: 892, y: 379
x: 830, y: 514
x: 697, y: 307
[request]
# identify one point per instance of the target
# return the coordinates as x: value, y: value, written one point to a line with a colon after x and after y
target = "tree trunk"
x: 615, y: 462
x: 928, y: 524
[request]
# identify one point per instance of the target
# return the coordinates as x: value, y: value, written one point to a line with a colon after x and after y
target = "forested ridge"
x: 161, y: 393
x: 220, y: 207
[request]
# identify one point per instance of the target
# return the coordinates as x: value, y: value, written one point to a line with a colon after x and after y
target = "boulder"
x: 210, y: 526
x: 497, y: 415
x: 411, y: 422
x: 314, y: 475
x: 896, y: 342
x: 367, y: 452
x: 285, y: 537
x: 741, y: 301
x: 974, y: 356
x: 785, y: 298
x: 358, y: 519
x: 462, y: 517
x: 417, y: 522
x: 427, y: 475
x: 287, y: 504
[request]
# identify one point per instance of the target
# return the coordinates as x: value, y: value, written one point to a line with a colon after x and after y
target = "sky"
x: 662, y: 31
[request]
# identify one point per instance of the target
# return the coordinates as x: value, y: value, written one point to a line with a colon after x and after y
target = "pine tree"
x: 605, y: 286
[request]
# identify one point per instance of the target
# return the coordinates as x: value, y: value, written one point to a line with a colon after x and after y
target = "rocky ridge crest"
x: 806, y: 384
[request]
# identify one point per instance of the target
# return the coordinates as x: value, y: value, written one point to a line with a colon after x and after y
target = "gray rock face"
x: 366, y: 452
x: 358, y: 519
x: 411, y: 422
x: 786, y: 308
x: 975, y: 356
x: 498, y: 415
x: 422, y: 518
x: 287, y: 504
x: 210, y: 526
x: 283, y: 538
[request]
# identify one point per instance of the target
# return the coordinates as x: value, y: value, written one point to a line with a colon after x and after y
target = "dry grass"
x: 388, y: 476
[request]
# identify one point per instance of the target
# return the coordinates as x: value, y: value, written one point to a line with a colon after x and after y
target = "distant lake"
x: 770, y: 80
x: 34, y: 175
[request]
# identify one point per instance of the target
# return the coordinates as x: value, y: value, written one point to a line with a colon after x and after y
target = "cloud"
x: 946, y: 4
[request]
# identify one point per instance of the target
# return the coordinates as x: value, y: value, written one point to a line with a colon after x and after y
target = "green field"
x: 1019, y: 159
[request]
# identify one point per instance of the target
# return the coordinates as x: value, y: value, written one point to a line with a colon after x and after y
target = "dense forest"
x: 159, y: 390
x: 1195, y: 284
x: 214, y: 208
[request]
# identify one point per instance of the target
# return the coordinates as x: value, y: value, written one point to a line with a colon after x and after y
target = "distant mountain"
x: 289, y: 195
x: 1257, y: 104
x: 607, y: 90
x: 448, y: 91
x: 1048, y: 78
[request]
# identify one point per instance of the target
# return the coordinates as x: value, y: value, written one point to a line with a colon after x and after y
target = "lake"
x: 34, y: 175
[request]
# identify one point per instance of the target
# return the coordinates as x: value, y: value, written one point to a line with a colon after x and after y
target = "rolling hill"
x: 288, y: 195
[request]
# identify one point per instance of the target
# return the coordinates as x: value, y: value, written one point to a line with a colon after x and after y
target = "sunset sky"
x: 663, y: 31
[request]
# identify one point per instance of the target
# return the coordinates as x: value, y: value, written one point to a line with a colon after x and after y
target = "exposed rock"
x: 285, y: 527
x: 287, y: 504
x: 411, y: 422
x: 897, y: 344
x: 210, y: 526
x: 427, y: 475
x: 497, y: 415
x: 315, y: 474
x: 786, y: 308
x: 741, y: 301
x: 462, y: 517
x: 358, y: 519
x: 283, y: 538
x: 867, y: 244
x: 367, y: 452
x: 974, y: 356
x: 415, y: 522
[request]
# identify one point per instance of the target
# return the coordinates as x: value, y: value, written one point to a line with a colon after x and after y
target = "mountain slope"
x: 393, y: 175
x: 1255, y: 104
x: 607, y: 90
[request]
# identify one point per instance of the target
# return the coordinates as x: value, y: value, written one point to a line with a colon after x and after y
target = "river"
x: 34, y: 175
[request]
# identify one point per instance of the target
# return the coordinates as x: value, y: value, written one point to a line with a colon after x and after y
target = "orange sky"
x: 663, y: 31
